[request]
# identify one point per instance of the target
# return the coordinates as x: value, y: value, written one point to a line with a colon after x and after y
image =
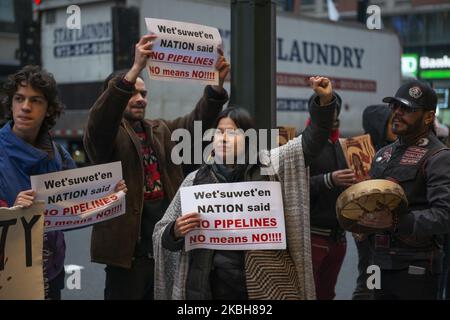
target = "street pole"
x: 253, y: 70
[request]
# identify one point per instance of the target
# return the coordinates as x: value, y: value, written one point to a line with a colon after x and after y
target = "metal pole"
x: 253, y: 74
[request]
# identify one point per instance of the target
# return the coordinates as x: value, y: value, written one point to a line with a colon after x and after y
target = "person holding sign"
x: 26, y: 149
x: 117, y: 131
x: 250, y: 274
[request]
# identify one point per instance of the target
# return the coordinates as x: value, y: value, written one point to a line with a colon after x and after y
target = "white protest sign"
x: 80, y: 197
x: 183, y: 51
x: 236, y: 216
x: 21, y: 242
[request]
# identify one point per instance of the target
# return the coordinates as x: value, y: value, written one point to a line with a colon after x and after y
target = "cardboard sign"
x: 21, y: 242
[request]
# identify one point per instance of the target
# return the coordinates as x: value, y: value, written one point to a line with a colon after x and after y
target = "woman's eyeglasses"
x: 231, y: 133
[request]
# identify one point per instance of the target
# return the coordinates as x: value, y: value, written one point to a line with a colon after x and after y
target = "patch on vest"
x: 413, y: 155
x: 386, y: 156
x: 423, y: 142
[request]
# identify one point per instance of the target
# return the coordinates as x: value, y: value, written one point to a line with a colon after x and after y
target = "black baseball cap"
x: 415, y: 94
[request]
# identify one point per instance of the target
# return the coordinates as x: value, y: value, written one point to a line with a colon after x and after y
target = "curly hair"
x: 40, y: 80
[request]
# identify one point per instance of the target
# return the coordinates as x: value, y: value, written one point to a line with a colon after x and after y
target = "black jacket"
x: 422, y: 170
x: 323, y: 193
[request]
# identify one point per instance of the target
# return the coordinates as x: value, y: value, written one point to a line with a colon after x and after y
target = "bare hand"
x: 141, y: 54
x: 343, y: 178
x: 185, y: 224
x: 378, y: 219
x: 223, y: 66
x: 25, y: 198
x: 322, y: 87
x: 121, y: 186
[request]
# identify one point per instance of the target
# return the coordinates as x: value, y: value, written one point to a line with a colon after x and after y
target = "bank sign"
x: 424, y: 67
x: 78, y: 55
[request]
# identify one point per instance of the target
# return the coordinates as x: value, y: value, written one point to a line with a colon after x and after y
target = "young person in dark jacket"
x: 329, y: 177
x: 117, y: 131
x: 377, y: 122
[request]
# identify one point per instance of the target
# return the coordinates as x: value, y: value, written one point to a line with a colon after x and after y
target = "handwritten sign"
x: 21, y: 263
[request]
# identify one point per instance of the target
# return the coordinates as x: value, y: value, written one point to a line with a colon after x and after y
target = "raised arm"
x: 106, y: 115
x: 322, y: 108
x: 209, y: 105
x: 302, y: 149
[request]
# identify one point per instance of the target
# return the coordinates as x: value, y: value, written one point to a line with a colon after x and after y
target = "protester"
x: 26, y: 149
x: 408, y: 248
x: 330, y: 176
x: 251, y: 274
x: 117, y: 131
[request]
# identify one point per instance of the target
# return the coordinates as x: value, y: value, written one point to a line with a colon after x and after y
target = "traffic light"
x: 30, y: 43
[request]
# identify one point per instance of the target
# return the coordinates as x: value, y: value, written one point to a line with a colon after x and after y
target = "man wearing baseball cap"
x: 408, y: 246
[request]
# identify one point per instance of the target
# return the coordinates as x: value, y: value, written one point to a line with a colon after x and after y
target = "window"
x: 422, y: 29
x: 438, y: 27
x: 50, y: 16
x: 6, y: 11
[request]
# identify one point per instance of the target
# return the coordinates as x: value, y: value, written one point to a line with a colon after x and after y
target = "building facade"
x: 423, y: 27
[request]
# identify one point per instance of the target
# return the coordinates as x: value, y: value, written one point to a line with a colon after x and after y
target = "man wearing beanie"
x: 408, y: 247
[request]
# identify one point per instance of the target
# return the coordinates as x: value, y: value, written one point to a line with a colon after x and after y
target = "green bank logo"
x: 410, y: 65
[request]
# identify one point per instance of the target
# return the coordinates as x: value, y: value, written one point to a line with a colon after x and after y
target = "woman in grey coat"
x: 251, y: 274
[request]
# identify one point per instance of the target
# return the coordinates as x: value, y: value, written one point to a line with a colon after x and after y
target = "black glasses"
x: 403, y: 108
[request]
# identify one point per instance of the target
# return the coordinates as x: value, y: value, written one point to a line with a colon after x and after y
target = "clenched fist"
x: 322, y: 87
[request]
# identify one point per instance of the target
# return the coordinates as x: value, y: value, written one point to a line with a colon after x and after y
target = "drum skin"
x: 369, y: 196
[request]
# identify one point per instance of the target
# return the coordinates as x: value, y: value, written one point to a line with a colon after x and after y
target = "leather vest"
x: 405, y: 165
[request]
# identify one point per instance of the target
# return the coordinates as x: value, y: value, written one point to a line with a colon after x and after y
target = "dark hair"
x: 39, y: 80
x: 240, y: 117
x: 243, y: 120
